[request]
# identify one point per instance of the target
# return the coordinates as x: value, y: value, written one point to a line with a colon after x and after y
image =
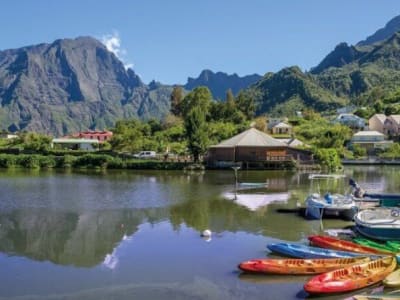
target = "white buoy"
x: 206, y: 233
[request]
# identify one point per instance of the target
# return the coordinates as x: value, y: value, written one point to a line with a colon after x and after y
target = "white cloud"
x: 113, y: 44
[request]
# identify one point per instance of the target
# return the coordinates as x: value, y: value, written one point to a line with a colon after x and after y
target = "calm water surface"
x: 136, y: 234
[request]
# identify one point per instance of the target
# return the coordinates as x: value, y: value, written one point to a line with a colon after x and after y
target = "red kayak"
x: 351, y: 278
x: 337, y: 244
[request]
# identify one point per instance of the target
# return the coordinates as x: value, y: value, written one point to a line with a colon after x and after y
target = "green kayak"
x: 394, y: 244
x: 375, y: 245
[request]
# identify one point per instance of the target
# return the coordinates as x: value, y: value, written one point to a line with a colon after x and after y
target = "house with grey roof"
x: 253, y: 148
x: 373, y: 141
x: 350, y: 120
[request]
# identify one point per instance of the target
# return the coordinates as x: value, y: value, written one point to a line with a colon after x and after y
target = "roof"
x: 75, y: 141
x: 292, y: 142
x: 282, y: 125
x: 251, y: 138
x: 396, y: 118
x: 368, y: 133
x: 380, y: 117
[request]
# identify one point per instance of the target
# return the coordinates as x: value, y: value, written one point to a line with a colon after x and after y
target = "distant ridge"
x: 383, y: 33
x: 218, y: 83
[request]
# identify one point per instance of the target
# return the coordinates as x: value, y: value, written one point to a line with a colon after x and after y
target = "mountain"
x: 384, y: 33
x: 342, y: 54
x: 290, y: 90
x: 218, y: 83
x: 375, y: 66
x: 71, y: 85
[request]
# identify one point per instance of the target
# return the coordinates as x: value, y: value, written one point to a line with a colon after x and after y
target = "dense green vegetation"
x: 195, y: 122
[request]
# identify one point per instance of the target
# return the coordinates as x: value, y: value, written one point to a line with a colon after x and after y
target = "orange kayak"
x: 298, y: 266
x: 351, y: 278
x: 337, y: 244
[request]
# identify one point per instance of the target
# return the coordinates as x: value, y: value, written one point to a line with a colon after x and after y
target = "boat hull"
x: 317, y: 213
x: 351, y: 278
x: 330, y: 206
x: 337, y: 244
x: 378, y: 233
x: 293, y: 266
x: 379, y: 224
x: 303, y: 251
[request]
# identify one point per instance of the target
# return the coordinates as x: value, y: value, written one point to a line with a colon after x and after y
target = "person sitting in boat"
x: 358, y: 192
x: 328, y: 198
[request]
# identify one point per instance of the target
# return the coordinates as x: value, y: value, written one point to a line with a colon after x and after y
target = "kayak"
x: 303, y: 251
x: 294, y: 266
x: 379, y: 296
x: 337, y: 244
x: 394, y: 244
x: 352, y: 277
x: 375, y: 245
x: 393, y: 279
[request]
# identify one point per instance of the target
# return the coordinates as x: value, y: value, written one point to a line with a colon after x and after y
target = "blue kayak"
x: 303, y: 251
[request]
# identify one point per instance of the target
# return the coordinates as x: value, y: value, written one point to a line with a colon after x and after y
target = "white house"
x: 370, y: 140
x: 76, y: 144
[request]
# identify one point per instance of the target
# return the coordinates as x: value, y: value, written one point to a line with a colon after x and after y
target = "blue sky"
x: 169, y: 40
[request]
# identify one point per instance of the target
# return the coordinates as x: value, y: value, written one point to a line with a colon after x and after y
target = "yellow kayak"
x: 393, y: 279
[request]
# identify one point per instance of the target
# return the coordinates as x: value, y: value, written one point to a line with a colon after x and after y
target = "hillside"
x: 290, y: 90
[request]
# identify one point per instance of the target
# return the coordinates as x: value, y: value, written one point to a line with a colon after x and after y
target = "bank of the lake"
x: 125, y: 234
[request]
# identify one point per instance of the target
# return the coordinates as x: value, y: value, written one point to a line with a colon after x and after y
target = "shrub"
x: 7, y: 161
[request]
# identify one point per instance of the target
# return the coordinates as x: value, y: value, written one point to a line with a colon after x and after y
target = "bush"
x: 7, y: 161
x: 47, y: 161
x: 328, y: 158
x: 93, y: 161
x: 29, y: 161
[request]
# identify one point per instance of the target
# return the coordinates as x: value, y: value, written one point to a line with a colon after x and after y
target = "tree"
x: 33, y: 141
x: 196, y: 132
x: 176, y: 101
x: 200, y: 97
x: 245, y: 103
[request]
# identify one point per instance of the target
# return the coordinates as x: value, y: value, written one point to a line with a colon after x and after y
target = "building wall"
x: 375, y: 124
x: 281, y: 130
x: 391, y: 127
x: 367, y: 138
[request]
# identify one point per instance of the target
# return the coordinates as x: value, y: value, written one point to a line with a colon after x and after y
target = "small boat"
x: 303, y: 251
x: 393, y: 279
x: 252, y: 184
x: 384, y: 199
x: 379, y: 224
x: 352, y: 277
x: 328, y: 205
x: 375, y: 245
x: 293, y: 266
x: 337, y: 244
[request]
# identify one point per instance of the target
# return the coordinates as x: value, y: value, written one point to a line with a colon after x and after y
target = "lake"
x: 136, y: 234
